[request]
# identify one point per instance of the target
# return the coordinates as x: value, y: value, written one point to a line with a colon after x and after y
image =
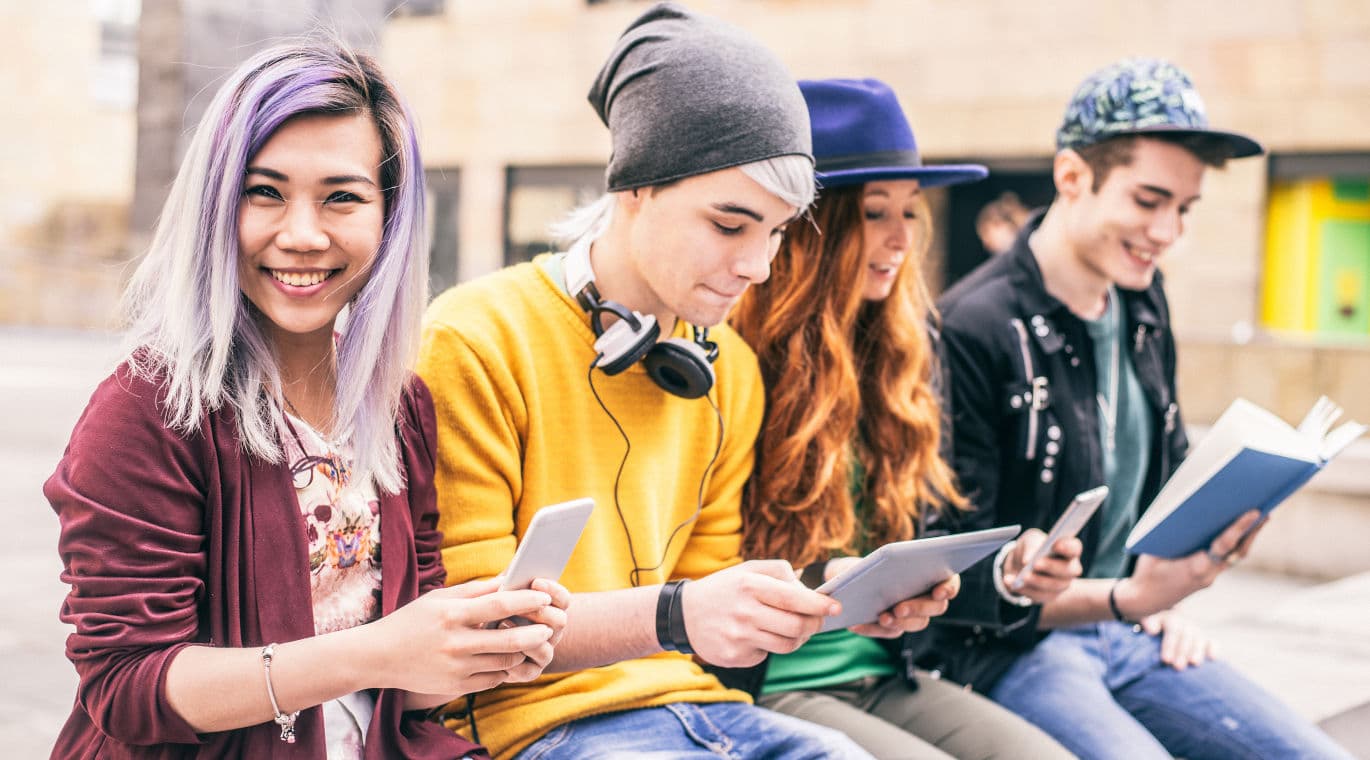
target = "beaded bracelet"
x: 1017, y: 600
x: 286, y: 722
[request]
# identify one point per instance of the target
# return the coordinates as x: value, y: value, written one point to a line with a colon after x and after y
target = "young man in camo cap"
x: 1062, y: 378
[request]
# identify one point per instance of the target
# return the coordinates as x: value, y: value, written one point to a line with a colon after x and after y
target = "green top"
x: 834, y: 657
x: 1125, y: 461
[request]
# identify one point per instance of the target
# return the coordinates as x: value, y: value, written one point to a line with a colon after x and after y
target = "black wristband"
x: 679, y: 637
x: 812, y: 577
x: 670, y: 618
x: 1113, y: 605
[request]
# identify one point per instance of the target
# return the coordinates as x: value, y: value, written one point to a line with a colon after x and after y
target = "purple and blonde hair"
x: 191, y: 326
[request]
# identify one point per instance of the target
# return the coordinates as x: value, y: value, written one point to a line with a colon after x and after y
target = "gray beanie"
x: 684, y: 94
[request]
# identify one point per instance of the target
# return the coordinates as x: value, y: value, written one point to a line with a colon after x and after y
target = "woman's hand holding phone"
x: 441, y: 643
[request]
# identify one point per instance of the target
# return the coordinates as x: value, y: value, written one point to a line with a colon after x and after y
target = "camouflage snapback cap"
x: 1136, y: 96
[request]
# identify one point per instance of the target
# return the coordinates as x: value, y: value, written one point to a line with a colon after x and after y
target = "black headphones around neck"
x: 681, y: 367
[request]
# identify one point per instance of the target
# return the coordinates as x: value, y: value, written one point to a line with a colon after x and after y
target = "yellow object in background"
x: 1317, y: 261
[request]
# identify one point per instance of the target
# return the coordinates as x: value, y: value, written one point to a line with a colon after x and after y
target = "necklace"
x: 302, y: 469
x: 1108, y: 407
x: 327, y: 439
x: 291, y: 407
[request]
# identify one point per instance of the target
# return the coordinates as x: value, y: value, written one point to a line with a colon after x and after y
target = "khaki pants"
x: 936, y: 721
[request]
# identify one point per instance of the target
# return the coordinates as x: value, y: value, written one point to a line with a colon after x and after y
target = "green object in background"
x: 1344, y: 283
x: 1351, y: 189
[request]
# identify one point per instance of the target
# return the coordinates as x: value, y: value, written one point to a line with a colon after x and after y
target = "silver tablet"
x: 904, y: 570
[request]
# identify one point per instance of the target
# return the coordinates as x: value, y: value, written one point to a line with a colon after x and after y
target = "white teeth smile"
x: 301, y: 279
x: 1146, y: 256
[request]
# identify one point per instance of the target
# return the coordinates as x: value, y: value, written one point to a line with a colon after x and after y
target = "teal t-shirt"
x: 1125, y: 461
x: 834, y: 657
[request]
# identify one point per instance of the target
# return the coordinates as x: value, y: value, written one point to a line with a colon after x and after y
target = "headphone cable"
x: 635, y: 575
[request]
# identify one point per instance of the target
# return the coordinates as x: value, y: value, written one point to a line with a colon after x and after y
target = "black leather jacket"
x: 1025, y: 436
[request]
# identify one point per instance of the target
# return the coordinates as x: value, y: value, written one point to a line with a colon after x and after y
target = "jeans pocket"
x: 700, y: 728
x: 548, y: 744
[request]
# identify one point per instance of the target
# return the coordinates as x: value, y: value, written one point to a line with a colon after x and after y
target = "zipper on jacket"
x: 1137, y: 339
x: 1033, y: 407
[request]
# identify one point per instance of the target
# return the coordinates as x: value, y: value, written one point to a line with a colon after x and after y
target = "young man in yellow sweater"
x: 551, y: 383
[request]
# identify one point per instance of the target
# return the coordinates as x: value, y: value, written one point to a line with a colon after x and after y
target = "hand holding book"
x: 1158, y: 584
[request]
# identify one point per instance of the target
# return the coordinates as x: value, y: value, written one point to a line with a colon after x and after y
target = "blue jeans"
x: 1102, y: 691
x: 683, y: 730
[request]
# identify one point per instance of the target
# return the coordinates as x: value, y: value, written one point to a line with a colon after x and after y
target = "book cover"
x: 1250, y: 459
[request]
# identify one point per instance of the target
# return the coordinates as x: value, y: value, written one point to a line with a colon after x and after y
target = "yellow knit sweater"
x: 506, y: 358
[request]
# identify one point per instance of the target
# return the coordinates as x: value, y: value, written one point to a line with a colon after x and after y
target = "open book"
x: 1249, y: 459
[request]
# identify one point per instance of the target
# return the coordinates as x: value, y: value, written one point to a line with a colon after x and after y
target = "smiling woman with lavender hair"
x: 237, y: 480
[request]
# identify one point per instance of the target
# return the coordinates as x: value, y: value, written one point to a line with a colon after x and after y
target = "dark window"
x: 443, y: 200
x: 537, y: 196
x: 114, y: 81
x: 1021, y: 183
x: 415, y: 7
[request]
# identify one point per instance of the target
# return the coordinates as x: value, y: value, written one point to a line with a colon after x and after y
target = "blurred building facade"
x: 1270, y: 286
x: 66, y: 149
x: 108, y: 94
x: 503, y: 106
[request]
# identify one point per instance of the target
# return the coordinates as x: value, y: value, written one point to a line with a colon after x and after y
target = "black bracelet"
x: 1113, y: 605
x: 679, y: 637
x: 670, y: 618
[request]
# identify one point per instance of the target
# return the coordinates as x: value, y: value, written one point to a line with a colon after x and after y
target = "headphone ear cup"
x: 622, y: 345
x: 681, y: 367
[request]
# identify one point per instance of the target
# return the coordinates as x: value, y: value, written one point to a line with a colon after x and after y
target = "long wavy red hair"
x: 845, y: 378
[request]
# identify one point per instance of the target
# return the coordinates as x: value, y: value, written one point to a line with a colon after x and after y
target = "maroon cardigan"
x: 169, y: 541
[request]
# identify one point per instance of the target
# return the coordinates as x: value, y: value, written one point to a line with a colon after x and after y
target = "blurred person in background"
x: 848, y: 458
x: 999, y: 221
x: 229, y: 494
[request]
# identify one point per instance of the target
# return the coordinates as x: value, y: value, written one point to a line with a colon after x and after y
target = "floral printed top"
x: 342, y: 525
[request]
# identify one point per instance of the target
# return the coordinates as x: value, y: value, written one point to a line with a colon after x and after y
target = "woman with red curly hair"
x: 848, y: 457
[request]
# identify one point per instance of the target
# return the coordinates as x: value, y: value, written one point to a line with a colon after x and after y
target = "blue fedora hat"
x: 860, y: 135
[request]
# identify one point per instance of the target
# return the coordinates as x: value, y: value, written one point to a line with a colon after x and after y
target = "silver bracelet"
x: 1018, y: 600
x: 286, y: 722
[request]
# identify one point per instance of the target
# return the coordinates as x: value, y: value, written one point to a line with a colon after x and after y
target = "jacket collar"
x: 1027, y: 275
x: 1143, y: 306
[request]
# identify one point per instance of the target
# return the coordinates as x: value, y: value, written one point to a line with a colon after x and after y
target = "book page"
x: 1260, y: 429
x: 1339, y: 439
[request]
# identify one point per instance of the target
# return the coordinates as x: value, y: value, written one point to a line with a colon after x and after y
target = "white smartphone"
x: 545, y: 549
x: 547, y: 544
x: 1081, y: 508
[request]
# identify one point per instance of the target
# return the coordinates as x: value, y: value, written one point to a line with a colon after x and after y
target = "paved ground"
x: 1305, y: 641
x: 45, y: 380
